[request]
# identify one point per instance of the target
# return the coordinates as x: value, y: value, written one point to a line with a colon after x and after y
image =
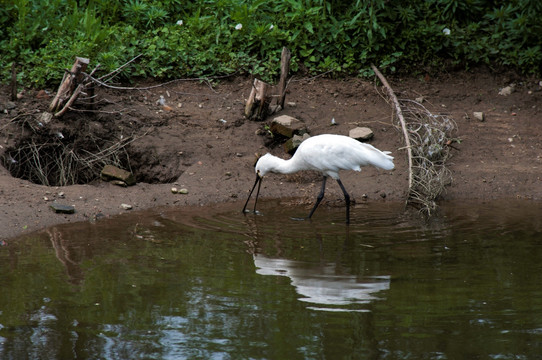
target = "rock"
x: 507, y: 90
x: 118, y: 183
x: 293, y: 143
x: 126, y: 206
x: 183, y: 191
x: 420, y: 99
x: 10, y: 105
x: 110, y: 172
x: 479, y: 115
x: 62, y: 209
x: 174, y: 190
x: 44, y: 119
x: 361, y: 133
x: 274, y: 109
x: 287, y: 126
x: 42, y: 94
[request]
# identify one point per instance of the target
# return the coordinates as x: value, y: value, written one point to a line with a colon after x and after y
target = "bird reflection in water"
x: 322, y: 284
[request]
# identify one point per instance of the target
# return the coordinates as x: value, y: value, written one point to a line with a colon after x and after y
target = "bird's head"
x: 264, y: 165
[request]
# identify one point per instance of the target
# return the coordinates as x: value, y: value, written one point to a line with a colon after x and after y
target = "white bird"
x: 326, y: 154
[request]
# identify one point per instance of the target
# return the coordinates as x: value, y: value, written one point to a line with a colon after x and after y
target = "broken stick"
x: 69, y: 84
x: 399, y: 113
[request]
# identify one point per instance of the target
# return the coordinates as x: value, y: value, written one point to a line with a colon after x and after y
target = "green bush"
x: 245, y: 36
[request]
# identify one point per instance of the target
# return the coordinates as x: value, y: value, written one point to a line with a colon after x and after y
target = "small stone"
x: 479, y: 115
x: 292, y: 144
x: 274, y: 109
x: 507, y: 90
x: 287, y: 126
x: 42, y: 94
x: 118, y: 183
x: 126, y: 206
x: 361, y: 133
x: 183, y: 191
x: 383, y: 195
x: 62, y: 209
x: 420, y: 99
x: 61, y: 194
x: 110, y: 172
x: 10, y: 105
x: 174, y: 190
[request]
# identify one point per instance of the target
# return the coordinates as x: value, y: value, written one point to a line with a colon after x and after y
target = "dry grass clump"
x: 430, y: 137
x: 428, y: 140
x: 50, y: 160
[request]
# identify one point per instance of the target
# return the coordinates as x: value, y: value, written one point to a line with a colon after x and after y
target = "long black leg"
x: 259, y: 183
x: 346, y: 199
x: 319, y: 198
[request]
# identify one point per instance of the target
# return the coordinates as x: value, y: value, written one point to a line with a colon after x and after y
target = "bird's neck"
x: 282, y: 166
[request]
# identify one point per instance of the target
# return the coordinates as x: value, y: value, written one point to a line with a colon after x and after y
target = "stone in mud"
x: 361, y: 133
x: 292, y: 144
x: 287, y: 126
x: 110, y: 172
x: 62, y: 209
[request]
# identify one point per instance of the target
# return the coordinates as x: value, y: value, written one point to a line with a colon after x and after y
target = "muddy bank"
x: 204, y: 144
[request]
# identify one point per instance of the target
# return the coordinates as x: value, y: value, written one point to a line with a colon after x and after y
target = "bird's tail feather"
x: 382, y: 159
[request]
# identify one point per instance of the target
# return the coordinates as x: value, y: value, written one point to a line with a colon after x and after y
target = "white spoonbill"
x: 326, y: 154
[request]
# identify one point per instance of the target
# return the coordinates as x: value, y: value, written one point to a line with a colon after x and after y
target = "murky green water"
x: 215, y: 284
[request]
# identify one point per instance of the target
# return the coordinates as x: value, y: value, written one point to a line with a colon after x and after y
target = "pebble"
x: 507, y: 90
x: 361, y: 133
x: 174, y: 190
x: 126, y: 206
x: 479, y: 115
x: 62, y: 209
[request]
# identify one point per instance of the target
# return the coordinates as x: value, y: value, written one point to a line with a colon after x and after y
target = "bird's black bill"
x: 259, y: 183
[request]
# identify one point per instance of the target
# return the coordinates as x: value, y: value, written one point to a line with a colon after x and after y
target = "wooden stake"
x: 69, y: 84
x: 257, y: 105
x: 284, y: 70
x: 13, y: 82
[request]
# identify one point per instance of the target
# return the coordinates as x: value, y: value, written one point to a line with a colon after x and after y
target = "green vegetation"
x: 202, y: 38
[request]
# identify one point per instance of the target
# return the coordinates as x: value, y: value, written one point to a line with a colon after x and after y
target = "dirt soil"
x: 203, y: 143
